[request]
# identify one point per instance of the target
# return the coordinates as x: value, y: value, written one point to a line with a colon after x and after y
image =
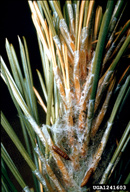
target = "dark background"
x: 16, y: 20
